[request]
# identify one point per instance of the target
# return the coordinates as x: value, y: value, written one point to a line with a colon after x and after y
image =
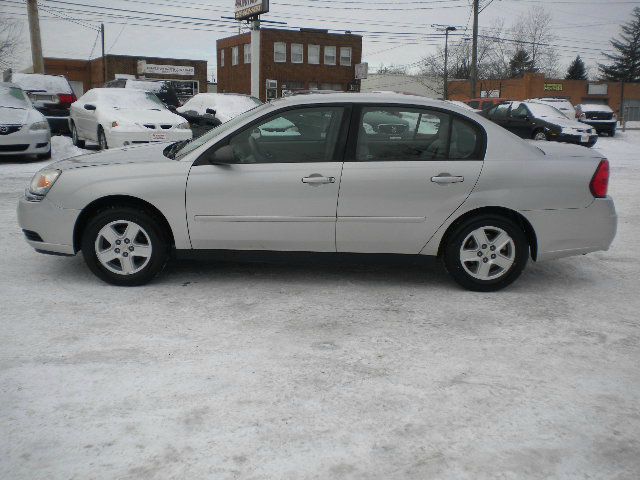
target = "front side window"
x: 329, y: 55
x: 345, y: 56
x: 296, y: 53
x: 415, y: 134
x: 520, y: 112
x: 247, y: 53
x: 280, y: 52
x: 499, y: 112
x: 234, y: 55
x: 313, y: 54
x: 294, y: 136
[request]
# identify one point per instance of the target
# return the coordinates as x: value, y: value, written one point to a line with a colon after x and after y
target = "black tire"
x: 452, y: 249
x: 612, y: 133
x: 102, y: 139
x: 45, y: 156
x: 74, y: 137
x: 157, y: 238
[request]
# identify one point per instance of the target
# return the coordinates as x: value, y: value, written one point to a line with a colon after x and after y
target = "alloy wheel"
x: 487, y: 253
x: 123, y: 247
x: 540, y: 136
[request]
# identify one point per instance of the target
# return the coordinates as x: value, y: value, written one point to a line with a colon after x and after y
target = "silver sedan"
x: 329, y: 174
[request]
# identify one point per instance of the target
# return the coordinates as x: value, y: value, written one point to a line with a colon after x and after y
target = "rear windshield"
x: 35, y: 82
x: 13, y: 97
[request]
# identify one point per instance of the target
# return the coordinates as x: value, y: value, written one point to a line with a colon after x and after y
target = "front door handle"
x: 446, y: 178
x: 316, y: 179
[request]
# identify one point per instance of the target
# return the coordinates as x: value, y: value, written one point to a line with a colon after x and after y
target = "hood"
x: 148, y: 153
x: 146, y: 116
x: 558, y: 149
x: 13, y: 116
x: 566, y: 123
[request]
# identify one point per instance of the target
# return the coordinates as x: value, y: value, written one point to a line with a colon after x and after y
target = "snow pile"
x: 62, y: 147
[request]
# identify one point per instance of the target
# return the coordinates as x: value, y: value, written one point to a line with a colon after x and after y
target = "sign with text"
x: 362, y: 70
x: 553, y: 87
x: 169, y: 69
x: 250, y: 8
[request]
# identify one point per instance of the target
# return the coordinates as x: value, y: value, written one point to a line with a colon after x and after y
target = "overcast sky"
x: 393, y: 31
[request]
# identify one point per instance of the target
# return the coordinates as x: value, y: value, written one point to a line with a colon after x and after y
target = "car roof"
x: 343, y: 97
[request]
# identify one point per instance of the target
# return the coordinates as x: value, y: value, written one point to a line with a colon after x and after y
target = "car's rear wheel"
x: 102, y: 139
x: 486, y: 253
x: 124, y: 246
x: 74, y: 137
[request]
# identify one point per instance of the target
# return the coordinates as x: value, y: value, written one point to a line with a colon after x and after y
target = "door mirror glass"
x: 89, y: 107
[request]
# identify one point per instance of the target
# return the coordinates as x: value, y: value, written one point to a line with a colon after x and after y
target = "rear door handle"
x: 446, y: 178
x: 317, y: 179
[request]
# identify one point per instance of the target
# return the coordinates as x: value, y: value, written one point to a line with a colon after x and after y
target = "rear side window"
x: 414, y: 134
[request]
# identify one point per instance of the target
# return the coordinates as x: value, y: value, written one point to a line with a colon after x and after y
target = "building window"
x: 296, y: 53
x: 222, y: 57
x: 280, y: 52
x: 313, y: 86
x: 331, y: 86
x: 345, y: 56
x: 313, y: 54
x: 234, y: 55
x: 247, y: 53
x: 329, y: 55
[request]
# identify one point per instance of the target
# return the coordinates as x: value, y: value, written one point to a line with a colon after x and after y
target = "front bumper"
x: 576, y: 139
x: 117, y: 138
x: 25, y: 142
x: 52, y: 224
x: 575, y: 231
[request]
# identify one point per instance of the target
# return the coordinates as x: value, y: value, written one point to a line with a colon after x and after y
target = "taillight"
x: 66, y: 99
x: 600, y: 181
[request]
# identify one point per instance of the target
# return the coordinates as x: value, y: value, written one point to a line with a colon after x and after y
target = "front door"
x: 280, y: 190
x: 409, y: 170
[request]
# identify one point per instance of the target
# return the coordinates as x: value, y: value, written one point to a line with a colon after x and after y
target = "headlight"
x: 42, y: 182
x: 44, y: 125
x: 184, y: 125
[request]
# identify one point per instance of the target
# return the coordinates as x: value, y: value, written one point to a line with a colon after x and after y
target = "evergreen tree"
x: 577, y: 70
x: 520, y: 64
x: 625, y: 65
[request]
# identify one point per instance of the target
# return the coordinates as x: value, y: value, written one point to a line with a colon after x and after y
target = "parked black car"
x: 51, y: 95
x: 163, y: 89
x: 600, y: 117
x: 541, y: 122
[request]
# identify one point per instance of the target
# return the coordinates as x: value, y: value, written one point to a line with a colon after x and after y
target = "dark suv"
x: 51, y: 95
x: 538, y: 121
x: 163, y: 89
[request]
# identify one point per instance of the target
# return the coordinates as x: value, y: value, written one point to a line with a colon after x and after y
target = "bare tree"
x: 533, y: 34
x: 10, y: 41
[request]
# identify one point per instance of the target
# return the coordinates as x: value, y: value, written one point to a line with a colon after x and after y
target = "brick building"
x: 305, y: 59
x: 535, y: 85
x: 188, y: 76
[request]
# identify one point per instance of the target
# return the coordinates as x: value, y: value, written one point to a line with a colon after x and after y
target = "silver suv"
x: 336, y: 173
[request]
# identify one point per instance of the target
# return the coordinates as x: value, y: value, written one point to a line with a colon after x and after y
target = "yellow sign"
x: 552, y: 87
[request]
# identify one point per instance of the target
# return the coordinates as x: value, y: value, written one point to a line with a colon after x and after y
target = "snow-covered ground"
x: 223, y: 371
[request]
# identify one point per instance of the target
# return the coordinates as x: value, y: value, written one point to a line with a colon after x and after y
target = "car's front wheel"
x: 486, y: 253
x: 125, y: 246
x: 539, y: 135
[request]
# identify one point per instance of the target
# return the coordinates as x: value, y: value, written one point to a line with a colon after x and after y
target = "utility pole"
x: 104, y: 60
x: 447, y: 29
x: 34, y: 32
x: 474, y: 48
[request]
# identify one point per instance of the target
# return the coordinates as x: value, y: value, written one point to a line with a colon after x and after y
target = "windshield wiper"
x: 174, y: 148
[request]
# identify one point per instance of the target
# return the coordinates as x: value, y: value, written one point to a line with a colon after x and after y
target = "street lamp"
x: 446, y: 60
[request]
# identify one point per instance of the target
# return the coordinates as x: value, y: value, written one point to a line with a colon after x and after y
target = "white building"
x: 404, y: 83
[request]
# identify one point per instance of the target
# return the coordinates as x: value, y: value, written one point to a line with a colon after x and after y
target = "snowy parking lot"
x: 221, y: 371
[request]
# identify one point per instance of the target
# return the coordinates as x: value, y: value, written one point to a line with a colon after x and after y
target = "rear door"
x: 399, y: 184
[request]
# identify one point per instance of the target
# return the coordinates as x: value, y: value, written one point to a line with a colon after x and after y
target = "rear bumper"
x: 54, y: 226
x: 601, y: 124
x: 567, y: 232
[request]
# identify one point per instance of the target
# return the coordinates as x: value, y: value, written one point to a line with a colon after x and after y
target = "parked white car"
x: 562, y: 104
x: 23, y: 129
x: 461, y: 188
x: 224, y: 106
x: 117, y: 117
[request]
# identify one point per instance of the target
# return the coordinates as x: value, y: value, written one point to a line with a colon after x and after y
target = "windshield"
x: 13, y: 97
x: 199, y: 141
x: 540, y: 110
x: 123, y: 99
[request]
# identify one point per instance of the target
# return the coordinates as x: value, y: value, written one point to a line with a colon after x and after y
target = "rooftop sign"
x: 250, y: 8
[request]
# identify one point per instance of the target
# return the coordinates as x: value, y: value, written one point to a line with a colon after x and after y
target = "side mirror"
x: 210, y: 111
x: 223, y: 156
x: 90, y: 107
